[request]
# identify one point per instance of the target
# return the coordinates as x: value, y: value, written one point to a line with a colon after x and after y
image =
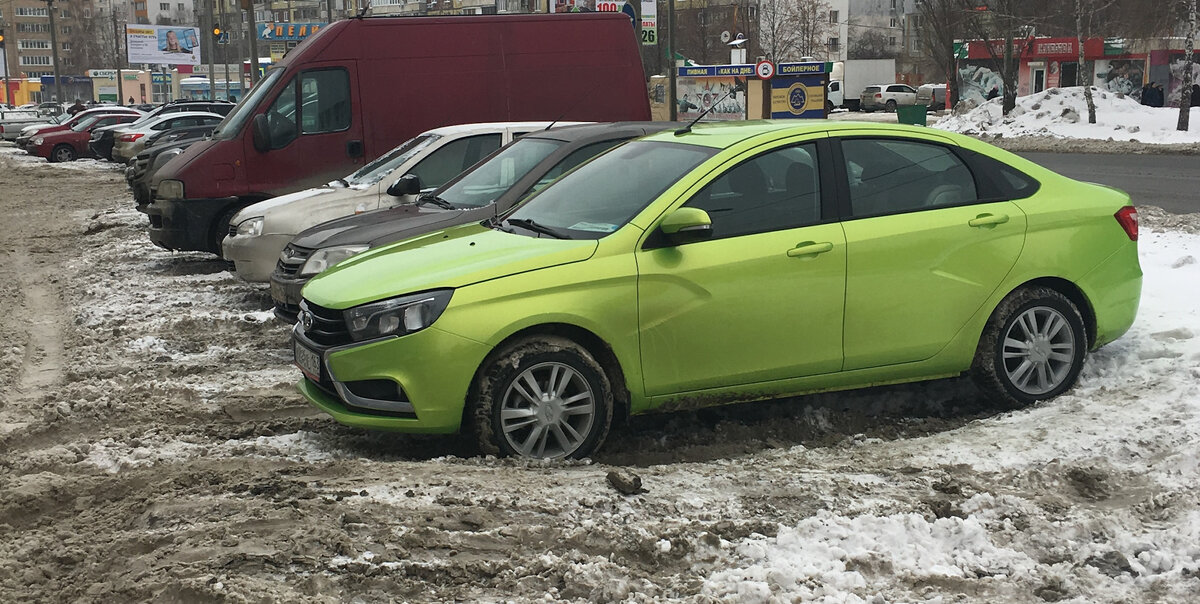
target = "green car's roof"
x: 725, y: 134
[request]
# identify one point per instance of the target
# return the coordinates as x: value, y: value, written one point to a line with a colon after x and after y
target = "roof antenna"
x: 738, y: 86
x: 571, y: 106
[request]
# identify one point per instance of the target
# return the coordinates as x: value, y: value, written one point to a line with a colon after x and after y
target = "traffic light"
x: 216, y: 30
x: 1, y: 38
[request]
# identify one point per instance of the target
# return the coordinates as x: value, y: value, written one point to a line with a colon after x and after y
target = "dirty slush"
x: 155, y: 449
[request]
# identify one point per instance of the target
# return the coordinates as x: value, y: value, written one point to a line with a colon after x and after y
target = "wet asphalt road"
x: 1171, y: 182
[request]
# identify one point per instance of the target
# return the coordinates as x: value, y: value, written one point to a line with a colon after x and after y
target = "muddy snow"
x: 155, y: 449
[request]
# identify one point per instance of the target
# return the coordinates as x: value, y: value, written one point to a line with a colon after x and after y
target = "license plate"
x: 308, y: 361
x: 277, y: 291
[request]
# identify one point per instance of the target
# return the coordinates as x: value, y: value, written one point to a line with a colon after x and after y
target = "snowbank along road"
x: 154, y: 449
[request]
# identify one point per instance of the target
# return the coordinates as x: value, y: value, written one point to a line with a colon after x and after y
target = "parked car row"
x: 110, y: 131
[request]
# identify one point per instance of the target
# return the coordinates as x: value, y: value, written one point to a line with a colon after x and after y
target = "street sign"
x: 223, y: 38
x: 765, y: 70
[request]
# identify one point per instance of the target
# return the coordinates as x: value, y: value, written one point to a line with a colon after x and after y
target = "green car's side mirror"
x: 686, y: 224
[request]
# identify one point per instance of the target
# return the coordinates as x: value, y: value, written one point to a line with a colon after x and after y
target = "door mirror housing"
x: 686, y: 225
x: 409, y: 184
x: 262, y: 133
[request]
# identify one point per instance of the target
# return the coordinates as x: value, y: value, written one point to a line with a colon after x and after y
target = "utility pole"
x: 671, y: 70
x: 249, y: 6
x: 225, y: 51
x: 328, y: 12
x: 54, y: 49
x: 212, y: 51
x: 117, y: 53
x: 4, y: 50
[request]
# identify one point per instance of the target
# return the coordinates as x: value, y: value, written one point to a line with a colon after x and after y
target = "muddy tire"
x: 890, y: 106
x: 62, y: 153
x: 1032, y: 348
x: 541, y: 397
x: 220, y: 230
x: 829, y: 107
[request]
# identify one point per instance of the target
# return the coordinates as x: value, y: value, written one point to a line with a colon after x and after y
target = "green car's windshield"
x: 494, y: 176
x: 602, y: 195
x: 387, y: 163
x: 232, y: 124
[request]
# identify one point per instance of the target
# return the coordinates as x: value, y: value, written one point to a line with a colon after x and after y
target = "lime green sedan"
x: 721, y: 264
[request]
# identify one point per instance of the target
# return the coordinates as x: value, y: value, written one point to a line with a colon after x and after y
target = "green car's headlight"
x: 397, y: 316
x: 327, y: 257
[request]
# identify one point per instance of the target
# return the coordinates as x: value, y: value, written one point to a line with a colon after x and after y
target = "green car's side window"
x: 774, y: 191
x: 888, y: 176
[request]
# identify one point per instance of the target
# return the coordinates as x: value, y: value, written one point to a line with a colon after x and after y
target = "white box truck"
x: 848, y: 78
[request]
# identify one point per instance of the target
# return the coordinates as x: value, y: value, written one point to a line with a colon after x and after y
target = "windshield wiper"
x: 530, y: 225
x: 437, y: 201
x: 342, y: 181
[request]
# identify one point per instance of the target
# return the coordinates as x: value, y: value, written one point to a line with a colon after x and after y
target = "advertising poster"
x: 702, y: 87
x: 163, y: 44
x: 798, y: 91
x: 649, y: 22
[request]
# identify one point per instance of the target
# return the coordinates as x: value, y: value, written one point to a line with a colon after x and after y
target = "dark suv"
x: 102, y: 140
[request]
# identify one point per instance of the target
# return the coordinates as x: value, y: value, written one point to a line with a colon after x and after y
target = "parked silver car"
x: 259, y: 233
x: 13, y: 120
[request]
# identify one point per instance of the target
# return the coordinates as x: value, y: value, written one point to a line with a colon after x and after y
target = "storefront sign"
x: 282, y: 32
x: 649, y: 22
x: 713, y: 71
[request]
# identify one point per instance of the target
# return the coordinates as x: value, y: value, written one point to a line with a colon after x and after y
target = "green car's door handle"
x: 810, y: 248
x: 988, y: 220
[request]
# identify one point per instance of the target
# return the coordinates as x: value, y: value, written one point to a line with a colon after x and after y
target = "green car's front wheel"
x: 1032, y: 347
x: 542, y: 397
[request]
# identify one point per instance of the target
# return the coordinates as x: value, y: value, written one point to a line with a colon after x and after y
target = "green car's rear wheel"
x: 1032, y: 347
x: 542, y: 397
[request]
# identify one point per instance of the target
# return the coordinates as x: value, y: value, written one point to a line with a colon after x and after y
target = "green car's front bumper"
x: 432, y: 368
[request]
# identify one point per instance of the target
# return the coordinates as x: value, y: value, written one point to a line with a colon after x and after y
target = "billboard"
x: 163, y: 44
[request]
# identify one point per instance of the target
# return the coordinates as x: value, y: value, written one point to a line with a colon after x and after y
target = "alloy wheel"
x: 1038, y: 350
x: 547, y: 411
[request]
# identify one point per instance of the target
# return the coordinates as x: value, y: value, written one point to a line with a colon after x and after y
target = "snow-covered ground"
x: 173, y: 461
x: 1062, y: 112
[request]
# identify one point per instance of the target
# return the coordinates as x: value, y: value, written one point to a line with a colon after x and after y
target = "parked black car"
x: 102, y: 140
x: 487, y: 190
x: 159, y: 150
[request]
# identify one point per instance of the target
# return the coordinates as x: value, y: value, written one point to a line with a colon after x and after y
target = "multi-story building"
x: 28, y: 44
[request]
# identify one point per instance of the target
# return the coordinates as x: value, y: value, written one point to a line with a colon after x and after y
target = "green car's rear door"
x: 922, y: 254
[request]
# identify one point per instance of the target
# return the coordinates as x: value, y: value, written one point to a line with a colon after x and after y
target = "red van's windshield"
x: 232, y: 124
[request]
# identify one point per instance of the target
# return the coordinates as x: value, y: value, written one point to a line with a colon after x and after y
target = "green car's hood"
x: 454, y: 257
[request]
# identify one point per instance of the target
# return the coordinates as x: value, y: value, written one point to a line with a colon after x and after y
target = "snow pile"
x: 1033, y: 502
x: 826, y: 556
x: 1062, y: 113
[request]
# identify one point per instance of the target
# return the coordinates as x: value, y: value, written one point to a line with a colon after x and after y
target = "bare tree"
x: 775, y: 31
x: 943, y: 22
x: 812, y: 27
x: 870, y: 44
x: 1004, y: 28
x: 790, y: 29
x: 1189, y: 51
x: 1085, y: 10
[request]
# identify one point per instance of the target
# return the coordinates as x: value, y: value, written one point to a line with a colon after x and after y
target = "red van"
x: 361, y: 86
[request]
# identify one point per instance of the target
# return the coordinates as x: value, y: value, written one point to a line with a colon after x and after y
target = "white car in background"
x: 259, y: 232
x: 887, y: 96
x: 128, y: 142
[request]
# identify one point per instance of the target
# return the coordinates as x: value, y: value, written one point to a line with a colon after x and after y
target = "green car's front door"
x: 758, y: 301
x: 922, y: 253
